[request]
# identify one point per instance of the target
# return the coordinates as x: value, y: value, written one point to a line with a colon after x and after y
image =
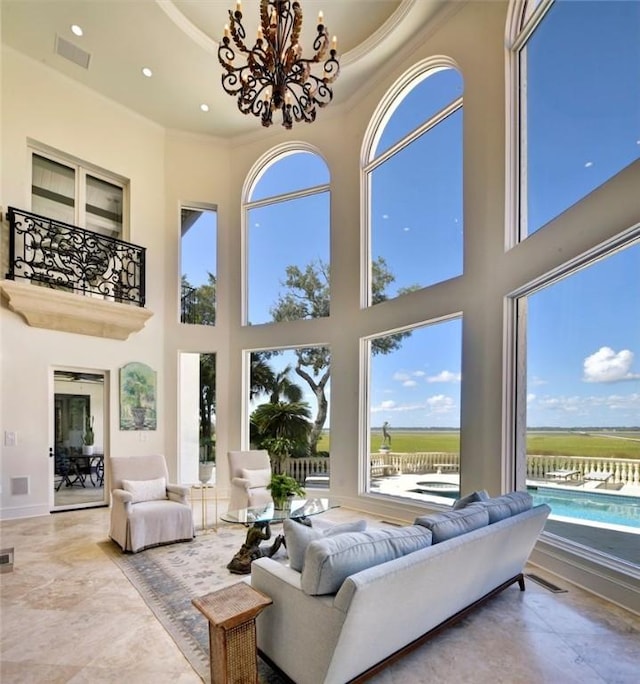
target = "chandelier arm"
x: 237, y: 31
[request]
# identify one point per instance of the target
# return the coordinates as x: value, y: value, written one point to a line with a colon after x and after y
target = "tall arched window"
x: 287, y: 216
x: 413, y: 237
x: 412, y: 166
x: 576, y: 379
x: 578, y: 70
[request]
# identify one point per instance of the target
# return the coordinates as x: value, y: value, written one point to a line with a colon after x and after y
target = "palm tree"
x: 283, y: 429
x: 283, y: 385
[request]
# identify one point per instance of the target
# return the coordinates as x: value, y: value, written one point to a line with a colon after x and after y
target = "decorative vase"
x: 283, y: 504
x: 139, y: 414
x: 87, y: 449
x: 205, y: 471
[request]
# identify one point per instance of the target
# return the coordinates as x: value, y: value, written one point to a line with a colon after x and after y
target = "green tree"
x: 282, y: 428
x: 262, y: 375
x: 307, y: 296
x: 207, y: 404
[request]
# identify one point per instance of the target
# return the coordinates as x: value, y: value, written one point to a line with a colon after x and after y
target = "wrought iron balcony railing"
x: 188, y: 304
x: 59, y: 255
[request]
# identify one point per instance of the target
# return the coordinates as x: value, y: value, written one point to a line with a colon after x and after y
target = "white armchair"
x: 250, y: 473
x: 145, y: 509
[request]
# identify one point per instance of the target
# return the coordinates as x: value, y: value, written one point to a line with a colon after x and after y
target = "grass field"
x: 599, y: 445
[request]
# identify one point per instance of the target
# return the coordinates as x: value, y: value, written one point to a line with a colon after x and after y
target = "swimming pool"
x: 606, y: 508
x: 612, y: 509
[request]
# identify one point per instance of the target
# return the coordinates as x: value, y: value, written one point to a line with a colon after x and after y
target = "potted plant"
x: 207, y: 459
x: 88, y: 438
x: 283, y: 487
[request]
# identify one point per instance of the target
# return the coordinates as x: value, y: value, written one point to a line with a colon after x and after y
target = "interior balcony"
x: 62, y: 277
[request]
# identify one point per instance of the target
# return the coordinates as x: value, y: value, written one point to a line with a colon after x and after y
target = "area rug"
x: 169, y: 577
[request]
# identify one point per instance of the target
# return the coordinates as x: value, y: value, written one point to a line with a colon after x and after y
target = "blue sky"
x: 583, y: 333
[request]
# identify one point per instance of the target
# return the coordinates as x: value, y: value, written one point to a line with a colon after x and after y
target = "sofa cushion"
x: 330, y: 560
x: 451, y: 524
x: 519, y: 501
x: 146, y: 490
x: 260, y: 477
x: 478, y: 495
x: 297, y: 537
x: 501, y: 507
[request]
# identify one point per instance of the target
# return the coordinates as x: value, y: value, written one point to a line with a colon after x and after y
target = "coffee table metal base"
x: 240, y: 564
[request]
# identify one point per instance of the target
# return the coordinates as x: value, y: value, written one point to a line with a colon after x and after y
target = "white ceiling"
x: 177, y: 39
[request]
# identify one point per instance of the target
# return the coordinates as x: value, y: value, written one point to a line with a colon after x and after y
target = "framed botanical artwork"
x: 137, y: 397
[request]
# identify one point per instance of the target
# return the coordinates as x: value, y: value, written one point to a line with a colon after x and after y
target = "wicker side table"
x: 232, y: 613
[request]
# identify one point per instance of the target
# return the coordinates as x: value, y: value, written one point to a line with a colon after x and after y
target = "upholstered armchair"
x: 250, y: 473
x: 145, y: 509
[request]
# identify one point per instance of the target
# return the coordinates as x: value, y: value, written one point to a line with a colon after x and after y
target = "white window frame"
x: 368, y: 163
x: 82, y: 170
x: 253, y: 177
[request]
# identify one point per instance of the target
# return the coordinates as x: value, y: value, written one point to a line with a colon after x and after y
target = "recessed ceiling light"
x: 76, y: 30
x: 204, y: 107
x: 147, y: 72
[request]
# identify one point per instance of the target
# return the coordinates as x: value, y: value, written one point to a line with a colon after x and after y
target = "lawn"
x: 596, y: 444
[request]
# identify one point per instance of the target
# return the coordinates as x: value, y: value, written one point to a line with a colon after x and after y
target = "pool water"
x: 598, y: 507
x: 605, y: 508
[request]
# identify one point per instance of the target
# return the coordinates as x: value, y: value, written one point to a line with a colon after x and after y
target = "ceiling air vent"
x: 71, y: 52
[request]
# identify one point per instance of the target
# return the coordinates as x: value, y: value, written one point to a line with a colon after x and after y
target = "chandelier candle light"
x: 275, y: 75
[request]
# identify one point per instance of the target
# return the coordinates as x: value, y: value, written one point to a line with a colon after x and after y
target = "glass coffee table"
x: 259, y: 518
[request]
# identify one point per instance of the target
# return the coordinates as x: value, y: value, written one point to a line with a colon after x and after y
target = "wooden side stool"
x: 232, y: 613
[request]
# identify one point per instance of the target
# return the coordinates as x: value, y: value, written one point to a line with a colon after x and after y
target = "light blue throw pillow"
x: 451, y: 524
x: 501, y: 507
x: 298, y: 536
x: 329, y: 561
x: 478, y: 495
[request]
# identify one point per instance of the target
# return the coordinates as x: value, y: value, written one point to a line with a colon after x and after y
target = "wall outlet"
x: 10, y: 438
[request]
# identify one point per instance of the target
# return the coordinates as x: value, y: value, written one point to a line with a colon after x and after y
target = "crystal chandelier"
x: 275, y: 75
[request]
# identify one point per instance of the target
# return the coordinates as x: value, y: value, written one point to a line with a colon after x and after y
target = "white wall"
x: 68, y: 117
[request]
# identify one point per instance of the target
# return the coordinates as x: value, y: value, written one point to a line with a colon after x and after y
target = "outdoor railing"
x: 301, y: 468
x: 58, y: 255
x: 624, y: 471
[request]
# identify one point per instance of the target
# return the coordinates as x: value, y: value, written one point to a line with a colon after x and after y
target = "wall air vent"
x: 19, y: 485
x: 71, y: 52
x: 6, y: 560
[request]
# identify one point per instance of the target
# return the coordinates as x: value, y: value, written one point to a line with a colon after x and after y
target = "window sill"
x: 42, y: 307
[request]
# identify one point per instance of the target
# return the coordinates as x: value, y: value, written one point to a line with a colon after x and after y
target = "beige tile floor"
x: 69, y: 615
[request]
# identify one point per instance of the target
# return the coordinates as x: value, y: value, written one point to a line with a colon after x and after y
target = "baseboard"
x: 613, y: 580
x: 23, y: 512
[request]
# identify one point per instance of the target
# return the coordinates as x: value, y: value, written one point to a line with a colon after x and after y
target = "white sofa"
x: 378, y: 611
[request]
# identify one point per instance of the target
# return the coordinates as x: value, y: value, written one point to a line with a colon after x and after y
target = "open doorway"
x: 80, y: 426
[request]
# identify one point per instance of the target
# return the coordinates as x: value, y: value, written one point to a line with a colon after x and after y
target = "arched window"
x: 577, y: 70
x: 287, y: 237
x: 412, y: 183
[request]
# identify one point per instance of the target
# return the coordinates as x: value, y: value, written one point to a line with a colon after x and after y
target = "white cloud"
x: 409, y: 383
x: 440, y: 403
x: 585, y: 405
x: 536, y: 381
x: 418, y: 374
x: 436, y: 405
x: 530, y: 398
x: 401, y: 377
x: 445, y: 376
x: 606, y: 365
